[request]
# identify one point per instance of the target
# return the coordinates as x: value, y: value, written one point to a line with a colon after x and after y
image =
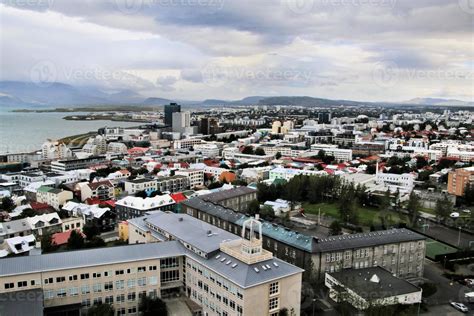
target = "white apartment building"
x: 117, y: 148
x: 52, y: 150
x: 137, y: 185
x: 208, y: 150
x: 195, y: 176
x: 95, y: 145
x: 186, y: 143
x: 339, y: 154
x: 287, y: 173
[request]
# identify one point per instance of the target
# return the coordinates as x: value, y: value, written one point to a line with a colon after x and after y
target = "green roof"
x: 44, y: 189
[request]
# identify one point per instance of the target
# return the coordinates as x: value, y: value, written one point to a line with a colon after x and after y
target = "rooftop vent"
x: 228, y: 262
x: 223, y: 259
x: 264, y: 268
x: 234, y: 265
x: 218, y: 256
x: 180, y: 219
x: 275, y: 264
x: 256, y: 269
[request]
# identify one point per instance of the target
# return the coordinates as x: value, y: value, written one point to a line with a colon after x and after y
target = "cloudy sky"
x: 374, y: 50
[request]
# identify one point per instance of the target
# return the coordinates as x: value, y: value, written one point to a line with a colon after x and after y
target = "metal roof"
x: 89, y: 257
x: 201, y: 235
x: 227, y: 194
x: 361, y: 240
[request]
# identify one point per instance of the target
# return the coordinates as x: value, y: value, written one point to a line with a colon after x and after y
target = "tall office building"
x: 181, y: 122
x: 169, y: 110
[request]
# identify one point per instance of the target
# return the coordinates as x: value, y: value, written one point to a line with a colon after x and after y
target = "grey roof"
x: 361, y: 240
x: 245, y: 275
x: 139, y: 222
x: 270, y: 230
x: 222, y: 212
x: 358, y: 280
x: 13, y: 227
x: 227, y: 194
x: 89, y: 257
x: 204, y: 236
x: 141, y: 180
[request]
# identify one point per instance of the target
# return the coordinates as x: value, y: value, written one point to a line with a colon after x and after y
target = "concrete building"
x: 176, y: 183
x: 371, y: 287
x: 208, y: 150
x: 181, y: 122
x: 340, y: 155
x: 95, y: 145
x: 458, y: 180
x: 74, y: 164
x: 400, y: 251
x: 223, y: 277
x: 402, y: 182
x: 195, y: 176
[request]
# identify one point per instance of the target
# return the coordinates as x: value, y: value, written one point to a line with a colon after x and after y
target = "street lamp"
x: 314, y: 300
x: 459, y: 236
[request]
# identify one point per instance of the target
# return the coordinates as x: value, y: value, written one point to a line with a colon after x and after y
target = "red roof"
x: 62, y: 238
x: 39, y: 206
x: 178, y: 197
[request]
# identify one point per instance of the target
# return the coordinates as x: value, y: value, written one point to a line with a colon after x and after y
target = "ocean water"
x: 25, y: 132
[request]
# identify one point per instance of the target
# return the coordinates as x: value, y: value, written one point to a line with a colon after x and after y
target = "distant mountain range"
x: 17, y: 94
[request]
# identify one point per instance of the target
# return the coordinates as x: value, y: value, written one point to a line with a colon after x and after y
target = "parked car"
x: 459, y: 306
x: 466, y: 211
x: 454, y: 215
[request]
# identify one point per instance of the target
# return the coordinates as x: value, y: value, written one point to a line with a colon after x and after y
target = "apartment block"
x: 458, y: 180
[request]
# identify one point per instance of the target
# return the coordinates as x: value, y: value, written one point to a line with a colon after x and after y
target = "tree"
x: 293, y: 190
x: 283, y: 312
x: 278, y: 155
x: 75, y: 241
x: 385, y: 201
x: 267, y: 212
x: 259, y: 151
x: 141, y: 194
x: 413, y: 207
x: 469, y: 194
x: 8, y: 204
x: 248, y: 150
x: 90, y: 230
x: 153, y: 306
x: 443, y: 208
x: 335, y: 228
x: 96, y: 242
x: 101, y: 309
x: 254, y: 207
x: 47, y: 243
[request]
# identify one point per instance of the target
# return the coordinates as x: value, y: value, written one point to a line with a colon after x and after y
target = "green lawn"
x: 434, y: 248
x: 366, y: 215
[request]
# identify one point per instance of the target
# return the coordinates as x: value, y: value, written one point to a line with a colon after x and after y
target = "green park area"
x: 434, y: 248
x: 367, y: 216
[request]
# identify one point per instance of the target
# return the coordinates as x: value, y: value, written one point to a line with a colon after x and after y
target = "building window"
x: 9, y: 286
x: 22, y: 284
x: 108, y: 286
x: 131, y: 283
x: 274, y: 288
x: 273, y: 303
x: 120, y: 284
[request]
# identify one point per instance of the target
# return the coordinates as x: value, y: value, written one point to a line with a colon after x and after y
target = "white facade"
x: 196, y: 177
x: 51, y: 150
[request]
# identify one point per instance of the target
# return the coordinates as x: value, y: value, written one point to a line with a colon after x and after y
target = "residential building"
x: 102, y: 190
x: 195, y: 176
x: 117, y: 148
x: 458, y: 180
x: 208, y: 150
x: 172, y: 184
x: 53, y: 197
x: 101, y: 217
x: 52, y: 150
x: 141, y: 184
x: 401, y: 182
x: 132, y: 206
x: 95, y: 145
x: 339, y: 154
